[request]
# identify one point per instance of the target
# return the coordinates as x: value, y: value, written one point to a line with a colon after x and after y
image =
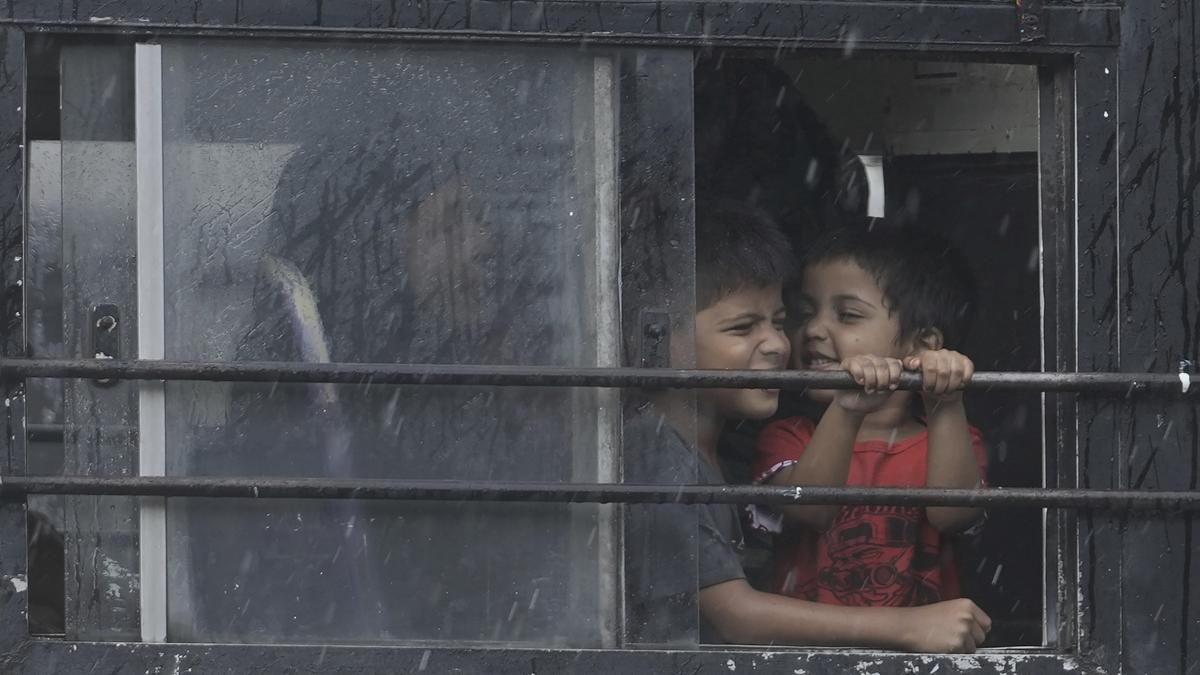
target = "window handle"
x: 106, y: 337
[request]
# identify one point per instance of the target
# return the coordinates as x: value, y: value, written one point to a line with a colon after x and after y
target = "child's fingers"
x: 895, y: 367
x: 855, y: 368
x: 978, y: 634
x: 961, y: 369
x: 981, y: 617
x: 868, y: 376
x: 882, y: 374
x: 945, y: 378
x: 954, y: 378
x: 934, y: 374
x: 928, y: 366
x: 862, y: 369
x: 948, y: 373
x: 875, y: 374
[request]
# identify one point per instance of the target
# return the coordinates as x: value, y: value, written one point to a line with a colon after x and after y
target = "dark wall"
x: 1158, y: 315
x: 996, y: 228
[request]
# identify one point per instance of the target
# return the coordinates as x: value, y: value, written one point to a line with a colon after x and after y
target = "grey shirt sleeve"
x: 672, y: 550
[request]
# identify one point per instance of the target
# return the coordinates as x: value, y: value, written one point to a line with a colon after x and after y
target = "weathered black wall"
x: 1158, y: 316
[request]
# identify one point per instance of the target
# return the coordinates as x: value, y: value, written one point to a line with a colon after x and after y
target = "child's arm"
x: 826, y: 458
x: 744, y: 615
x: 951, y: 462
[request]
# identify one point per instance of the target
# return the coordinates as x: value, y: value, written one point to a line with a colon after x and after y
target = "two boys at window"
x: 876, y: 305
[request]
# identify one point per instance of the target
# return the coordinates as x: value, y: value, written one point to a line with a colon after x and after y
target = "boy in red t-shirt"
x: 876, y: 304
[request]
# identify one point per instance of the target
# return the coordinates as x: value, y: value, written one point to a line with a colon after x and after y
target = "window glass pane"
x: 368, y: 203
x: 98, y: 268
x: 381, y: 204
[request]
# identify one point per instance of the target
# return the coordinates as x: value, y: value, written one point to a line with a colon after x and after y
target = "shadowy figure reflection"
x: 383, y: 254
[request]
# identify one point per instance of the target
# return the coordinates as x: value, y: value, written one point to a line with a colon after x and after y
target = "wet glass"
x: 376, y: 204
x: 100, y: 424
x: 394, y: 205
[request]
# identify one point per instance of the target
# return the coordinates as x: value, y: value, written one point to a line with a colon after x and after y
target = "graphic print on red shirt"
x: 870, y: 555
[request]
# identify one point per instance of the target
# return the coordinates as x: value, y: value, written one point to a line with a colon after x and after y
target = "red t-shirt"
x: 870, y: 555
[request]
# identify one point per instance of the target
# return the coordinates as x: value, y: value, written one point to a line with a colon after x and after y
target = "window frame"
x: 1077, y: 63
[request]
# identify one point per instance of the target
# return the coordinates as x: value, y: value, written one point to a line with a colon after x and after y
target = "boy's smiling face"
x: 842, y: 313
x: 742, y: 331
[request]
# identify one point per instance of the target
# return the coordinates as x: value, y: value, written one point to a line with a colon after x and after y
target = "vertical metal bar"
x: 152, y: 532
x: 608, y: 347
x: 1045, y: 221
x: 1056, y: 159
x: 1100, y: 539
x: 657, y: 190
x: 14, y: 628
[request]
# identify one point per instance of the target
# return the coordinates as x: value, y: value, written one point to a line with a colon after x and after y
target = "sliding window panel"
x: 382, y: 203
x: 98, y: 270
x: 44, y: 396
x: 658, y: 305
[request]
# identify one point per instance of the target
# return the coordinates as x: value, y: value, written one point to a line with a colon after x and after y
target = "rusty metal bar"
x: 1108, y: 384
x: 19, y: 487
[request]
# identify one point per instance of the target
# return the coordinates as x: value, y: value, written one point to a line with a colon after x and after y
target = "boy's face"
x: 842, y: 314
x: 742, y: 331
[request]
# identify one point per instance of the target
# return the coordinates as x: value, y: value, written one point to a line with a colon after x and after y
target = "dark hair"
x: 738, y: 246
x: 924, y: 278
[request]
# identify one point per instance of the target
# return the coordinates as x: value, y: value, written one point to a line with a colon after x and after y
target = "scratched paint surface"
x: 13, y: 601
x: 1159, y: 318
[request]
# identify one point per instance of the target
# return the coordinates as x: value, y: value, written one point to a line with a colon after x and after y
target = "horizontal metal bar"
x: 18, y: 487
x: 854, y: 23
x: 1111, y: 384
x: 46, y: 433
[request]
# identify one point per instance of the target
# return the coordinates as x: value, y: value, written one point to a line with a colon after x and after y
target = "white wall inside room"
x: 895, y: 107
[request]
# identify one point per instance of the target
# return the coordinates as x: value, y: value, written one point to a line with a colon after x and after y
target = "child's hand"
x: 944, y: 373
x: 879, y: 377
x: 948, y: 627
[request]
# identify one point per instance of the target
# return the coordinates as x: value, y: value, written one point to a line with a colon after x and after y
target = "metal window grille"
x: 1094, y: 384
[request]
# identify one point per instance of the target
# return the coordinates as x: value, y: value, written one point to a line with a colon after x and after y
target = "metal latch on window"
x: 106, y: 340
x: 1031, y: 21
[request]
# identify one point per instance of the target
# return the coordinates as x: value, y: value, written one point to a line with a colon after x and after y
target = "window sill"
x: 40, y: 655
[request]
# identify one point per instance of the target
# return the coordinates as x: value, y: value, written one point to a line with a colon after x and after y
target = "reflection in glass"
x: 374, y: 204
